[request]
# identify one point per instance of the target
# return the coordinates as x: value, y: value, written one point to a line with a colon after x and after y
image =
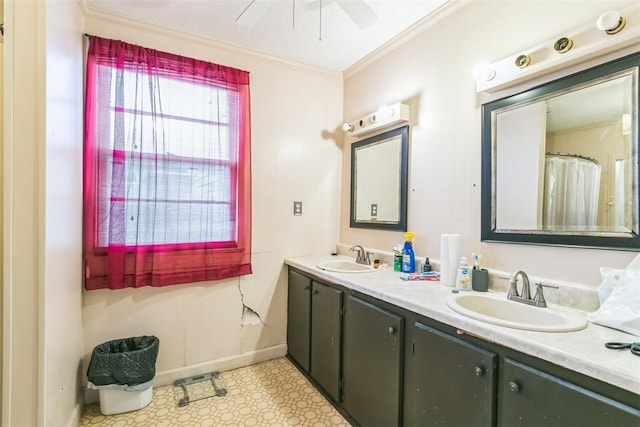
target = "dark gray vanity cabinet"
x: 326, y: 343
x: 314, y: 325
x: 380, y: 372
x: 371, y: 373
x: 447, y: 381
x: 531, y: 397
x: 299, y: 319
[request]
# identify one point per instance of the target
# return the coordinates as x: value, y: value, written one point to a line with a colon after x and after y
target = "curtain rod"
x: 577, y: 156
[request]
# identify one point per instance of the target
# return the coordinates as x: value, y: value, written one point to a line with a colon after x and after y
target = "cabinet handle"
x: 478, y: 371
x: 391, y: 329
x: 316, y: 292
x: 306, y: 288
x: 514, y: 387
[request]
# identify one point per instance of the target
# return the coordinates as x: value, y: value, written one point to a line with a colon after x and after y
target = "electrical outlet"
x: 374, y: 209
x: 297, y: 208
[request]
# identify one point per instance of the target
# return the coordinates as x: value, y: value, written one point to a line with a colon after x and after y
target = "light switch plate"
x: 297, y: 208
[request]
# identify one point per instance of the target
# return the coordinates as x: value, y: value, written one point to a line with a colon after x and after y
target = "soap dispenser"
x: 463, y: 279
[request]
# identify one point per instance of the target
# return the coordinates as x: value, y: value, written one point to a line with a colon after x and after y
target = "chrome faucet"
x: 513, y: 287
x: 363, y: 256
x: 513, y: 295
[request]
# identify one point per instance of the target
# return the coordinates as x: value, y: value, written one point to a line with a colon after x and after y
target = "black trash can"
x: 125, y: 361
x: 122, y: 371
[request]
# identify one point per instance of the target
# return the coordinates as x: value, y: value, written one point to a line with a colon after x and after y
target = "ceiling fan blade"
x: 359, y: 11
x: 253, y: 12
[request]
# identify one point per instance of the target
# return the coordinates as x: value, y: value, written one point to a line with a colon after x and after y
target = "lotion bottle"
x: 463, y: 279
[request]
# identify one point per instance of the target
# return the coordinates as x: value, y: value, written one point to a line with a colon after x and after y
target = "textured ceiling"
x: 312, y: 32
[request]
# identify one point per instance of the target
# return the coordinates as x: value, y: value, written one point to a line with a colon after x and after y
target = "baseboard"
x: 223, y: 364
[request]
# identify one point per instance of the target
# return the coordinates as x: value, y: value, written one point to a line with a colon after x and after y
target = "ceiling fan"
x: 358, y: 10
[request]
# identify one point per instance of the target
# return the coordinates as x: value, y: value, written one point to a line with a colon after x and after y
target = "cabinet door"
x: 371, y: 363
x: 447, y: 380
x: 299, y: 318
x: 326, y: 324
x: 530, y: 397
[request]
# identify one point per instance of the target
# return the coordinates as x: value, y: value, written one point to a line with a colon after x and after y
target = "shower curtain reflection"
x: 571, y: 189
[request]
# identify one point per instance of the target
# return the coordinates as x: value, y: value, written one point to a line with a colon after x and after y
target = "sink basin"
x: 342, y: 266
x: 498, y: 310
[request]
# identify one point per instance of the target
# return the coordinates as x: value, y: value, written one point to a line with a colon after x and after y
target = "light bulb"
x: 347, y: 127
x: 484, y: 72
x: 383, y: 114
x: 610, y: 22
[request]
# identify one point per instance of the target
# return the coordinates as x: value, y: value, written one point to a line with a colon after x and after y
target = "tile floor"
x: 272, y: 393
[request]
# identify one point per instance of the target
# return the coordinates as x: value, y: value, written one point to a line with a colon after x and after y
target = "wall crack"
x: 250, y: 317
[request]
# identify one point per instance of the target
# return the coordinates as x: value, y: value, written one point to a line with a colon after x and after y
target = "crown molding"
x: 418, y: 28
x: 116, y: 19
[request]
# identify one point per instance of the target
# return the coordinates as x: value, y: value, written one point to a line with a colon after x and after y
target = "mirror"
x: 379, y: 181
x: 560, y: 161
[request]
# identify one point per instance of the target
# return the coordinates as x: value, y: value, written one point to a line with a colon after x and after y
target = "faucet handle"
x: 539, y: 296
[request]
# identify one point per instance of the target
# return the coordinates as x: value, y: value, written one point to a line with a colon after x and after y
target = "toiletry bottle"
x: 427, y: 266
x: 463, y: 279
x: 397, y: 258
x: 408, y: 257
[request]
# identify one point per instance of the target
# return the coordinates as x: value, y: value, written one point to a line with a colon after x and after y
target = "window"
x: 167, y: 168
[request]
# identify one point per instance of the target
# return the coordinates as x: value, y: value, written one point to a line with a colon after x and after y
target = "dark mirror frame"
x: 488, y: 233
x: 401, y: 225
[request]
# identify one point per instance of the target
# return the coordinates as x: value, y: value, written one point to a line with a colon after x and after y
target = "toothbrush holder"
x: 480, y: 280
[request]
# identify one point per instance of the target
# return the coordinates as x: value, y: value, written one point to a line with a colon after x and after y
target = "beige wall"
x: 1, y: 187
x: 294, y: 112
x: 42, y: 302
x: 432, y: 72
x: 60, y: 174
x: 21, y: 259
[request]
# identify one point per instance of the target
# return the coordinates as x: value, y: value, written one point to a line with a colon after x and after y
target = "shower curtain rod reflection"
x: 577, y: 156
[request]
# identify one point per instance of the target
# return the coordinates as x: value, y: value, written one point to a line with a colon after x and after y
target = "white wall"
x: 432, y: 72
x: 294, y: 113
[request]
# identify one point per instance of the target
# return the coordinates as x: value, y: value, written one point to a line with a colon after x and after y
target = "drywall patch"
x: 250, y: 317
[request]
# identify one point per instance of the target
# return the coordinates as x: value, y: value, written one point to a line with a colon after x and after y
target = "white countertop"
x: 581, y: 351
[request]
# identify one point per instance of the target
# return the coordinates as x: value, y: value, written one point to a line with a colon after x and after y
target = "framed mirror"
x: 560, y: 161
x: 379, y: 181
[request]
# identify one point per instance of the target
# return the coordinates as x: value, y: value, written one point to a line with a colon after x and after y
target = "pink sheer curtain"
x: 167, y: 172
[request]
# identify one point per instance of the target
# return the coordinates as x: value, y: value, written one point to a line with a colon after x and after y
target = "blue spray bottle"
x: 408, y: 256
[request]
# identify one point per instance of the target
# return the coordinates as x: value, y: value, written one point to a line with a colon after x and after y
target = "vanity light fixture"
x: 611, y: 22
x: 563, y: 45
x: 569, y: 48
x: 384, y: 117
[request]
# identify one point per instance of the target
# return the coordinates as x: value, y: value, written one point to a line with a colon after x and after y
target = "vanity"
x: 388, y: 352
